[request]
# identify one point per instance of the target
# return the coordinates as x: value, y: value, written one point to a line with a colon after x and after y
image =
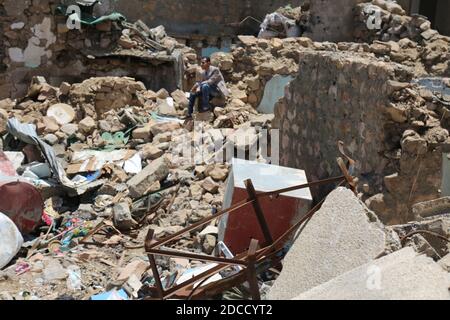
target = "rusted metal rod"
x: 194, y: 256
x: 251, y: 270
x: 199, y: 224
x: 259, y: 212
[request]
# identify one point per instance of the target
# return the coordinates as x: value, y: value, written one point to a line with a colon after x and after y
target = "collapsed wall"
x: 394, y: 130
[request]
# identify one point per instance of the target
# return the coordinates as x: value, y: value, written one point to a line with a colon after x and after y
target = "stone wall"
x: 188, y: 18
x: 384, y: 122
x: 37, y: 42
x: 332, y: 20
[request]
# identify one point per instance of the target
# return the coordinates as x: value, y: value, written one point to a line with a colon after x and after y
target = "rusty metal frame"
x: 249, y: 260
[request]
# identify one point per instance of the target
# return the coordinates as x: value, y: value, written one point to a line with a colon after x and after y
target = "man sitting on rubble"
x: 212, y: 84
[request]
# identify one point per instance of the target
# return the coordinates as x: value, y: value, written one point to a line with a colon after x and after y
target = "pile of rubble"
x: 124, y: 164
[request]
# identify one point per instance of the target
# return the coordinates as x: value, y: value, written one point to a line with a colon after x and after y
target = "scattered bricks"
x: 154, y: 172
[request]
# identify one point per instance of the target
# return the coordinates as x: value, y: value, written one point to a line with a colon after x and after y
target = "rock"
x: 209, y: 244
x: 69, y: 129
x: 218, y: 172
x: 445, y: 263
x: 126, y: 43
x: 50, y: 124
x: 62, y: 113
x: 341, y: 236
x: 122, y: 217
x: 136, y: 267
x: 151, y: 152
x: 248, y: 40
x: 180, y: 99
x: 422, y: 246
x: 397, y: 113
x: 11, y: 240
x: 87, y: 125
x: 167, y: 109
x: 210, y: 186
x: 51, y: 139
x: 224, y: 61
x: 143, y: 133
x: 64, y: 88
x: 413, y: 143
x: 431, y: 208
x: 154, y: 172
x: 403, y: 275
x: 164, y: 127
x: 162, y: 94
x: 54, y: 271
x: 196, y: 191
x: 180, y: 217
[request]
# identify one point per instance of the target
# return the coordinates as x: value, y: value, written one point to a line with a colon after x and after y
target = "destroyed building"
x: 330, y: 155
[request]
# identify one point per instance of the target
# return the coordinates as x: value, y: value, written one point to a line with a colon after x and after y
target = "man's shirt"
x: 214, y: 77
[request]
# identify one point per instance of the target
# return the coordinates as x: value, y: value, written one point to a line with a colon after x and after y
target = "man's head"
x: 205, y: 63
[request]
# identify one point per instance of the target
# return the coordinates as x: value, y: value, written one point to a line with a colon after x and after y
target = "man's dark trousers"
x: 206, y: 90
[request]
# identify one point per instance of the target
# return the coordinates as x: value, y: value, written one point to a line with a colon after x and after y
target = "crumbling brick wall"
x: 396, y: 136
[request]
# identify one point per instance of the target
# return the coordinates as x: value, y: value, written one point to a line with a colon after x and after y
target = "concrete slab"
x: 403, y: 275
x: 343, y: 235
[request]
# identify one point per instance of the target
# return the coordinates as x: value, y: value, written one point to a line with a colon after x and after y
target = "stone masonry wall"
x: 332, y: 20
x: 394, y: 133
x: 36, y: 42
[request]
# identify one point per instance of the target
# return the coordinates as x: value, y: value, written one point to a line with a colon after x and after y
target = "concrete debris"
x: 154, y: 172
x: 403, y: 275
x: 343, y: 235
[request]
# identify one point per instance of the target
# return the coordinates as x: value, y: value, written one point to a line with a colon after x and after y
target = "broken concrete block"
x: 154, y: 172
x: 403, y: 275
x: 341, y: 236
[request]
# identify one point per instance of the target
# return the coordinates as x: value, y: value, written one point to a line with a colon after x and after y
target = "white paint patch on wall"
x: 34, y: 51
x: 16, y: 54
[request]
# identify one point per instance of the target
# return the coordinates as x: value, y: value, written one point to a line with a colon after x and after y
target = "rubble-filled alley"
x: 320, y: 168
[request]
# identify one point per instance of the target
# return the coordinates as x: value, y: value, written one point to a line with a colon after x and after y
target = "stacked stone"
x: 395, y: 24
x: 396, y: 131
